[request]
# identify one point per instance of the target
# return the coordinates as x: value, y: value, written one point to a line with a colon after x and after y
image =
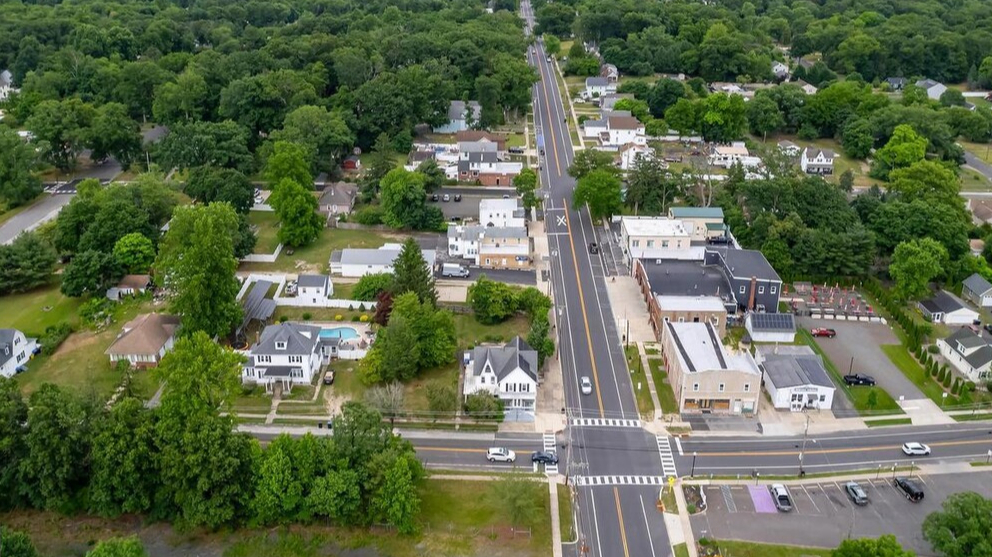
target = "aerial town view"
x: 495, y: 278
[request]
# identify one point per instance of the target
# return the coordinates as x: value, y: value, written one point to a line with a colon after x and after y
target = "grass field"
x: 750, y: 549
x: 973, y: 417
x: 267, y: 230
x: 915, y: 372
x: 666, y: 395
x: 981, y: 150
x: 470, y: 332
x: 315, y: 257
x: 565, y: 516
x: 681, y: 550
x: 27, y: 312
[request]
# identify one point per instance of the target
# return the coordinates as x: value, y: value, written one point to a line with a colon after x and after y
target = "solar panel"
x: 773, y: 321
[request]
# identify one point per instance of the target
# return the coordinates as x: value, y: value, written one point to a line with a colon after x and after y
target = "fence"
x: 262, y: 257
x: 296, y: 301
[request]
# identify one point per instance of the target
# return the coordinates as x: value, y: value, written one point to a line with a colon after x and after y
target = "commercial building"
x: 688, y: 309
x: 756, y: 285
x: 704, y: 224
x: 491, y: 247
x: 795, y: 378
x: 657, y: 238
x: 505, y: 213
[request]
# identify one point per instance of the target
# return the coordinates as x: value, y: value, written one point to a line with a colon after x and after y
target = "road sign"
x: 561, y: 220
x: 671, y: 481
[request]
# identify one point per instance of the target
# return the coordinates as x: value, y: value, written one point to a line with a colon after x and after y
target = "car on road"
x: 458, y: 197
x: 500, y: 454
x: 586, y: 385
x: 783, y: 501
x: 857, y: 495
x: 859, y: 379
x: 822, y: 332
x: 329, y: 377
x: 988, y: 327
x: 915, y: 449
x: 446, y: 198
x: 909, y: 488
x: 435, y: 197
x: 593, y: 248
x: 544, y: 457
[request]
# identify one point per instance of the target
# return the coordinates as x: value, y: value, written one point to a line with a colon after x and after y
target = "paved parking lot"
x: 862, y: 341
x: 823, y: 515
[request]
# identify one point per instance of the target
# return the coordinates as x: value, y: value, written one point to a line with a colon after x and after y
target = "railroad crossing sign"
x: 561, y: 220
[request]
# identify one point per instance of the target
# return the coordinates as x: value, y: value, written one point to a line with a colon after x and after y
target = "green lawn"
x: 565, y: 516
x: 889, y: 422
x: 267, y: 231
x: 470, y: 332
x: 666, y: 395
x: 645, y: 406
x: 315, y: 258
x: 915, y: 372
x: 681, y: 550
x: 972, y: 417
x: 252, y: 400
x: 859, y: 396
x: 981, y: 150
x: 750, y: 549
x: 515, y: 140
x: 33, y: 311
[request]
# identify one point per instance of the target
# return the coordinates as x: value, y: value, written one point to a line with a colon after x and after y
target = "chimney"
x: 754, y: 288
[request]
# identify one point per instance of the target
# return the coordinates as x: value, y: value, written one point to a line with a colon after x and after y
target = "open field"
x: 316, y: 257
x: 32, y: 312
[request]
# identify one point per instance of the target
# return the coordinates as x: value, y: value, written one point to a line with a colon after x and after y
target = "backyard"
x: 315, y: 258
x: 32, y: 312
x: 266, y: 227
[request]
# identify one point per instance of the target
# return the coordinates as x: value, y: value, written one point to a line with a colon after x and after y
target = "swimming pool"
x: 339, y: 332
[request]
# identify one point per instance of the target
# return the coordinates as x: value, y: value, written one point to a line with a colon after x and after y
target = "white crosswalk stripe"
x: 604, y: 422
x: 667, y: 458
x: 618, y: 480
x: 550, y: 444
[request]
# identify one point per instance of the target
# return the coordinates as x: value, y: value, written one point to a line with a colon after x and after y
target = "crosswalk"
x: 603, y: 422
x: 618, y: 480
x: 549, y: 446
x: 667, y: 458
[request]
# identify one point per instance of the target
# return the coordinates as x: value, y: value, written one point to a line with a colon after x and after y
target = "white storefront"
x: 795, y: 378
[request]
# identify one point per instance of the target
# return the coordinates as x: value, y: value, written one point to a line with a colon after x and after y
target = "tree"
x: 441, y: 398
x: 134, y: 253
x: 526, y: 185
x: 196, y: 258
x: 764, y: 116
x: 588, y: 160
x: 914, y: 264
x: 288, y: 161
x: 722, y: 117
x: 125, y: 473
x: 961, y: 527
x: 637, y: 108
x: 325, y: 134
x: 16, y: 544
x: 336, y: 495
x: 538, y: 338
x: 119, y: 547
x: 883, y: 546
x: 380, y: 163
x: 552, y: 44
x: 846, y: 181
x: 278, y: 492
x: 403, y: 199
x: 395, y: 355
x: 300, y: 222
x: 433, y: 327
x: 18, y: 158
x: 412, y: 273
x: 26, y: 263
x: 651, y: 189
x: 368, y: 288
x: 683, y: 116
x: 600, y: 190
x: 904, y: 148
x: 63, y: 126
x: 182, y: 100
x: 517, y: 498
x: 13, y: 414
x: 858, y: 138
x: 492, y: 302
x: 208, y: 184
x: 926, y: 180
x: 952, y: 97
x: 387, y: 399
x: 395, y: 499
x: 434, y: 175
x: 189, y: 145
x: 90, y: 272
x: 114, y: 133
x: 665, y: 93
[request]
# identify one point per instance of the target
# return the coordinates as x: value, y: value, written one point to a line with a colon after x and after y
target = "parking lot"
x: 468, y: 207
x: 823, y: 515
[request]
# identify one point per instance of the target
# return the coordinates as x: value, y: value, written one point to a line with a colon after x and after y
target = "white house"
x: 351, y: 262
x: 780, y: 70
x: 657, y: 238
x: 977, y: 290
x: 817, y: 161
x: 632, y: 152
x: 969, y: 353
x: 130, y: 285
x: 795, y: 378
x: 770, y: 327
x: 314, y: 288
x: 491, y: 247
x: 946, y: 308
x: 463, y: 241
x: 622, y: 130
x: 727, y: 156
x: 461, y: 117
x: 503, y: 213
x: 788, y: 148
x: 599, y: 86
x: 807, y: 88
x: 933, y: 88
x: 15, y: 351
x: 487, y: 168
x: 6, y: 84
x: 145, y: 340
x: 287, y: 354
x: 508, y: 372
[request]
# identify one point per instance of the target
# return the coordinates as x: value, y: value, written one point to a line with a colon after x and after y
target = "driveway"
x: 42, y: 210
x: 862, y: 342
x: 978, y: 164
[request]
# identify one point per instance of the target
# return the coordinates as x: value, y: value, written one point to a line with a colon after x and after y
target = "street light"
x: 692, y: 472
x: 803, y: 450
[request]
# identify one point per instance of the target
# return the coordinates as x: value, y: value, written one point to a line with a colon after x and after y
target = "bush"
x: 483, y: 406
x: 95, y: 311
x: 338, y: 317
x: 956, y: 386
x: 370, y: 286
x: 947, y: 381
x: 53, y: 337
x: 364, y: 318
x: 941, y: 375
x: 283, y: 319
x: 307, y: 316
x: 933, y: 349
x: 968, y: 387
x: 355, y: 318
x: 369, y: 216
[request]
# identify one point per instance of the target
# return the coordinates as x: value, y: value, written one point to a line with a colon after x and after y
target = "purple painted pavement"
x: 763, y: 502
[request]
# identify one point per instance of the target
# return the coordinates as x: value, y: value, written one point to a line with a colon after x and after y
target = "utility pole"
x: 802, y: 451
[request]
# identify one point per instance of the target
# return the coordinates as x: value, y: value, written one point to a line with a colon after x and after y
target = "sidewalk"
x: 684, y: 527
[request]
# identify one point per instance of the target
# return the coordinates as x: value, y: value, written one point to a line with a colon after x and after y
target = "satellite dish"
x: 357, y: 151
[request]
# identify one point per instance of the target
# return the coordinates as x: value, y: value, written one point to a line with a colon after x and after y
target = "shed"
x: 771, y: 327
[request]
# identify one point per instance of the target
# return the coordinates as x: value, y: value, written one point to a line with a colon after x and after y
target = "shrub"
x: 355, y: 318
x: 947, y: 381
x: 969, y: 386
x: 369, y: 216
x: 361, y: 307
x: 940, y: 376
x: 364, y: 318
x: 933, y: 349
x: 338, y: 317
x: 283, y: 319
x: 307, y: 316
x: 691, y: 508
x: 956, y: 386
x: 53, y: 337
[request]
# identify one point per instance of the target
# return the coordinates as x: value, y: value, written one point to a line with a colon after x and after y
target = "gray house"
x: 508, y: 372
x: 977, y: 290
x: 755, y: 283
x: 461, y: 116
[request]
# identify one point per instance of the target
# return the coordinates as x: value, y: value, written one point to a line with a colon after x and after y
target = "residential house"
x: 976, y: 246
x: 933, y: 88
x: 463, y: 241
x: 657, y: 238
x: 130, y: 285
x: 315, y: 288
x: 780, y: 70
x: 608, y: 102
x: 419, y: 156
x: 338, y: 198
x: 622, y: 130
x: 977, y: 290
x: 968, y: 353
x: 593, y: 129
x: 461, y: 116
x: 491, y: 247
x: 788, y: 148
x: 487, y: 169
x: 896, y: 83
x: 478, y: 140
x: 15, y: 351
x: 981, y: 210
x: 351, y: 162
x: 770, y: 327
x: 946, y: 308
x: 756, y: 284
x: 6, y: 84
x: 502, y: 213
x: 610, y: 72
x: 508, y: 372
x: 707, y: 376
x: 687, y: 309
x: 726, y: 156
x: 144, y: 340
x: 631, y: 153
x: 704, y: 224
x: 795, y: 378
x: 807, y: 88
x: 350, y: 262
x: 598, y: 86
x: 285, y: 354
x: 817, y: 161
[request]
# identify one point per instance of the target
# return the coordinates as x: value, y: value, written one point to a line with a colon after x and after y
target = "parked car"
x: 586, y: 385
x: 988, y: 327
x: 446, y: 197
x: 780, y: 494
x: 859, y: 379
x: 458, y: 197
x: 593, y: 248
x: 915, y: 449
x: 909, y: 488
x: 500, y: 454
x: 822, y: 332
x: 544, y: 457
x: 329, y: 377
x: 857, y: 495
x: 435, y: 198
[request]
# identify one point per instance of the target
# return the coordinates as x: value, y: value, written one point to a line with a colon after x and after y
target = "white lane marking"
x: 618, y: 480
x: 678, y: 444
x: 667, y: 459
x: 647, y: 525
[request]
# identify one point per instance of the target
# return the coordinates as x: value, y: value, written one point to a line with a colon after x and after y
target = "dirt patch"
x: 76, y: 341
x: 693, y: 498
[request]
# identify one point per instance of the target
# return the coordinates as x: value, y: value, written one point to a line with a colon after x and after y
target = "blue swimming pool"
x: 339, y: 332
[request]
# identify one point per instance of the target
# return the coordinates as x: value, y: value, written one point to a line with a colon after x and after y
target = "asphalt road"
x: 40, y: 211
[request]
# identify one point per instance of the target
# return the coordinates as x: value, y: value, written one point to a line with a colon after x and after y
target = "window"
x: 636, y: 243
x: 524, y: 388
x: 296, y: 359
x: 773, y: 289
x: 280, y: 345
x: 666, y: 320
x: 664, y: 243
x: 681, y: 319
x: 264, y: 359
x: 823, y: 398
x: 720, y: 387
x: 761, y: 290
x: 695, y: 320
x: 650, y: 243
x: 695, y: 386
x: 747, y: 387
x: 742, y: 290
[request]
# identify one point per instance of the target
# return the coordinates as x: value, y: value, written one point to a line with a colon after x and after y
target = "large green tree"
x: 903, y: 149
x: 300, y: 224
x: 208, y: 184
x: 323, y: 132
x: 404, y: 200
x: 189, y: 145
x: 18, y: 160
x: 961, y: 527
x: 914, y: 264
x: 492, y: 302
x: 125, y: 463
x: 26, y: 263
x: 526, y: 185
x: 600, y: 190
x: 114, y: 134
x: 90, y: 272
x: 134, y: 253
x: 13, y: 414
x: 412, y: 273
x: 289, y: 161
x: 63, y: 126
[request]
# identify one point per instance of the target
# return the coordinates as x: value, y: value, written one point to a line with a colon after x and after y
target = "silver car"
x: 586, y: 385
x: 500, y: 454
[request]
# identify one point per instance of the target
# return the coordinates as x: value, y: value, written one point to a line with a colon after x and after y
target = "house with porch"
x: 508, y: 372
x: 968, y: 353
x: 817, y: 161
x: 947, y: 308
x: 286, y: 354
x: 145, y: 340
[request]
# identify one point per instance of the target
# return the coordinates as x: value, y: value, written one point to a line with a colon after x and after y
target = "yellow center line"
x: 460, y: 450
x: 547, y: 110
x: 623, y: 531
x: 810, y: 450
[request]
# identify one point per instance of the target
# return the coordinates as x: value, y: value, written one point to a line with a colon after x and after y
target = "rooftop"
x: 696, y: 212
x: 942, y: 302
x: 503, y: 360
x: 734, y: 149
x: 970, y: 341
x: 700, y: 350
x: 146, y: 334
x: 298, y: 339
x: 772, y: 322
x: 690, y: 303
x: 597, y: 81
x: 382, y: 256
x: 977, y: 284
x: 311, y: 281
x: 794, y: 368
x: 624, y: 123
x: 498, y: 205
x: 688, y: 278
x: 256, y: 305
x: 744, y: 263
x: 653, y: 226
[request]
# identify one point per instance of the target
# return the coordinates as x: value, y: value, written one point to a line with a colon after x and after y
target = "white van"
x: 453, y: 270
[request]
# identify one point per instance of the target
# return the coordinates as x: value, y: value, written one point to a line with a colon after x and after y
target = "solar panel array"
x: 773, y: 321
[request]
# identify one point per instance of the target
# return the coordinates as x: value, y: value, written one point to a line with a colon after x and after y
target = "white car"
x: 915, y: 449
x: 500, y: 454
x: 586, y: 385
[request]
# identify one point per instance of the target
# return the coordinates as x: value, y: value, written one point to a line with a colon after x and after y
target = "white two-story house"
x: 15, y: 351
x: 622, y: 130
x: 817, y: 161
x: 726, y: 156
x: 501, y: 213
x: 969, y: 353
x: 286, y: 354
x: 491, y: 247
x: 599, y: 86
x: 508, y: 372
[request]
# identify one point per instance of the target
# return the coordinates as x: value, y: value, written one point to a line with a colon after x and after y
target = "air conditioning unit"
x: 657, y: 261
